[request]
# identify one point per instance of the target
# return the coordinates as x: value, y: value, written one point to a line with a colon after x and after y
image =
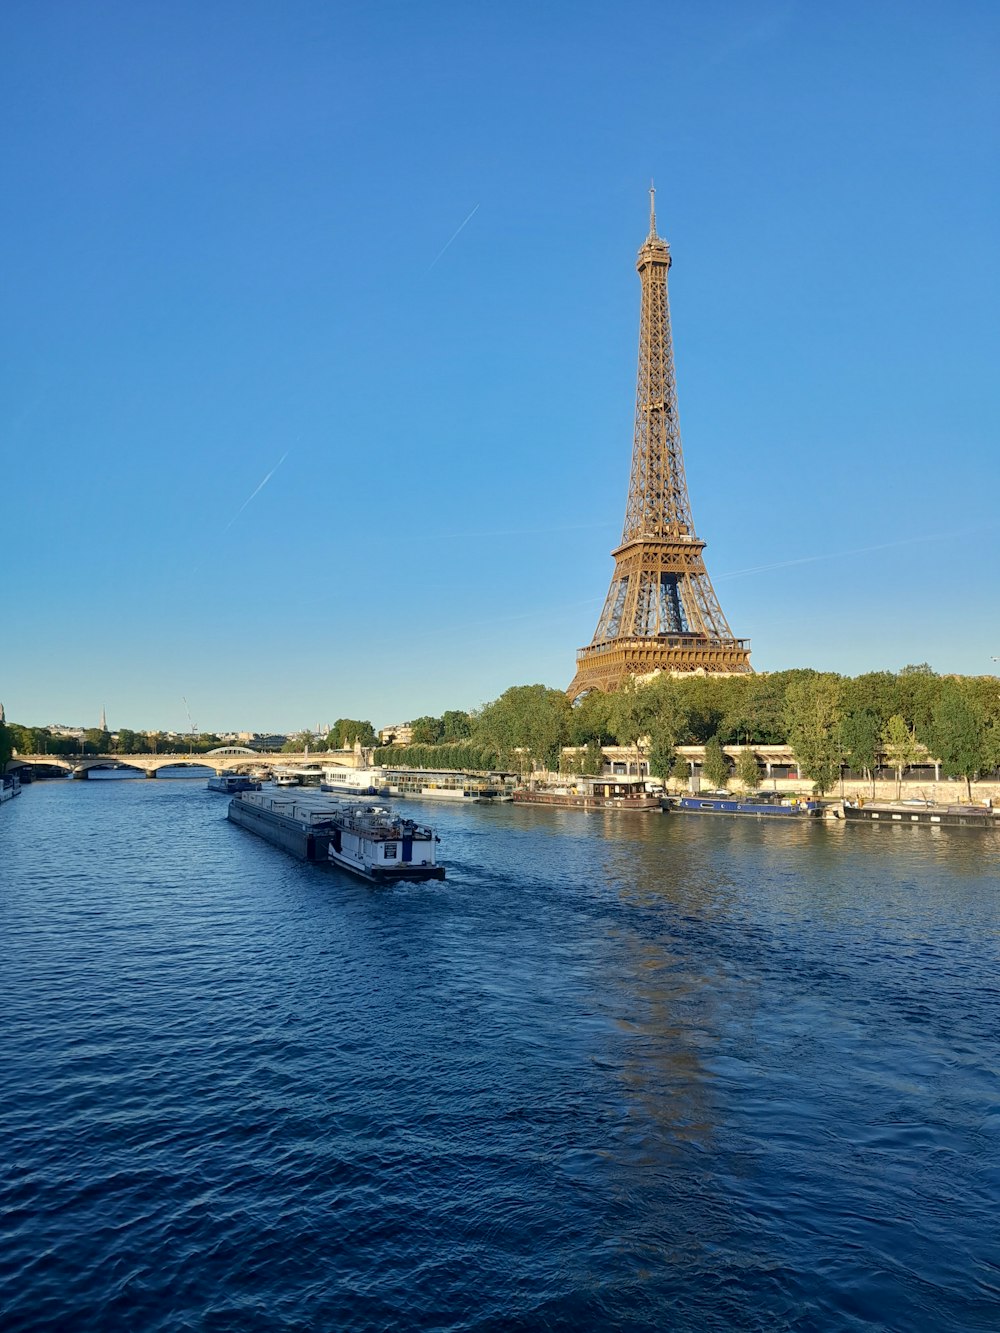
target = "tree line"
x: 880, y: 718
x: 40, y: 740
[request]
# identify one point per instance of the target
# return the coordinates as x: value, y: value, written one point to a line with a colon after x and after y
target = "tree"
x: 346, y: 731
x: 748, y: 770
x: 661, y: 747
x: 901, y: 747
x: 455, y: 726
x: 527, y: 726
x: 681, y: 771
x: 631, y: 716
x: 813, y: 713
x: 959, y: 736
x: 861, y: 737
x: 592, y: 762
x: 426, y: 731
x: 918, y: 690
x: 6, y: 746
x: 590, y: 719
x: 715, y: 765
x: 128, y: 741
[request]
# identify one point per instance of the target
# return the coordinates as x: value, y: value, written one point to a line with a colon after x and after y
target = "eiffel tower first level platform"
x: 661, y: 612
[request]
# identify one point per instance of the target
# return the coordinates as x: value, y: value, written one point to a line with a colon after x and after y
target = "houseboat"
x: 594, y: 794
x: 232, y: 783
x: 768, y: 805
x: 922, y: 812
x: 364, y: 839
x: 443, y: 786
x: 354, y: 781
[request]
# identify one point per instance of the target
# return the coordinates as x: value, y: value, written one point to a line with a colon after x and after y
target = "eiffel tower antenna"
x: 661, y: 612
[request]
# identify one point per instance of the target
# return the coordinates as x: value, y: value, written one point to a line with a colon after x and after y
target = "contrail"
x: 840, y: 555
x: 450, y: 239
x: 253, y: 493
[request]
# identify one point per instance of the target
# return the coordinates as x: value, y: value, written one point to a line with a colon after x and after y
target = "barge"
x: 593, y: 794
x: 922, y: 812
x: 762, y: 804
x: 364, y: 839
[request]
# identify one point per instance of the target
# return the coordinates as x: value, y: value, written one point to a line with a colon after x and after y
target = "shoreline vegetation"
x: 880, y: 719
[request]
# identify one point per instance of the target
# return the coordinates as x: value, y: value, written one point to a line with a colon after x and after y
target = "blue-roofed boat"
x: 771, y: 805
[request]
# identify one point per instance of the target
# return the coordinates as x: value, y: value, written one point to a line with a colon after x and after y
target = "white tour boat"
x: 354, y: 781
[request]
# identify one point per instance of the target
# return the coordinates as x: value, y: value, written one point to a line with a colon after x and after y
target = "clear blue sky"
x: 226, y: 243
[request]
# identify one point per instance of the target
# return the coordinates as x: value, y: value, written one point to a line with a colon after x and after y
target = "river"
x: 616, y: 1072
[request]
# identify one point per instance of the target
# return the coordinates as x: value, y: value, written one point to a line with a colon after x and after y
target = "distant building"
x: 69, y: 733
x: 400, y: 733
x: 262, y: 742
x: 104, y: 721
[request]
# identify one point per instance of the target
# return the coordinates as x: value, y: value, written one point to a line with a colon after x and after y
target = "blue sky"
x: 223, y: 228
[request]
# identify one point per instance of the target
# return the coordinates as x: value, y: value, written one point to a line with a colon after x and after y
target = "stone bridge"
x: 232, y: 760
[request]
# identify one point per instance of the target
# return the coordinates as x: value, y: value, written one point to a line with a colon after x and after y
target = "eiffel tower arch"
x: 661, y: 612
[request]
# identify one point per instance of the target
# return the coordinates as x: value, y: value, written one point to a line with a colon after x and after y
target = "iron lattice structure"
x: 661, y: 612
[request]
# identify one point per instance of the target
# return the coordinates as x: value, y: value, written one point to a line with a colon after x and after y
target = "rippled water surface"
x: 616, y: 1072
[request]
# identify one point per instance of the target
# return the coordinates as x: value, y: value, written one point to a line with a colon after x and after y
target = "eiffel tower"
x: 661, y: 612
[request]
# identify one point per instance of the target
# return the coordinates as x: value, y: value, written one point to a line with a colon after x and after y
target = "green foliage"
x: 661, y: 748
x: 590, y: 719
x: 464, y: 755
x: 6, y: 745
x: 455, y: 726
x: 681, y: 771
x: 900, y: 746
x: 715, y: 766
x: 748, y: 770
x: 297, y: 743
x: 426, y: 731
x: 592, y: 762
x: 632, y: 712
x: 861, y: 739
x: 959, y: 734
x: 526, y: 727
x: 918, y: 691
x: 813, y: 714
x: 347, y: 730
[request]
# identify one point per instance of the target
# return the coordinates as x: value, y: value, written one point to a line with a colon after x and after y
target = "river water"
x: 616, y: 1072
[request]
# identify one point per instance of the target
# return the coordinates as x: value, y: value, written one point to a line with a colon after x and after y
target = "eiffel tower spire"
x: 661, y: 612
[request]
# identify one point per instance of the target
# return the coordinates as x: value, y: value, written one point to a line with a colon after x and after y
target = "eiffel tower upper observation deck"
x: 661, y: 612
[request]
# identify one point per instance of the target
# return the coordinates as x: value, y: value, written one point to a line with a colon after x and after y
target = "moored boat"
x: 366, y: 840
x: 232, y: 783
x: 765, y: 804
x: 354, y: 781
x: 922, y: 812
x: 593, y: 794
x: 442, y: 785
